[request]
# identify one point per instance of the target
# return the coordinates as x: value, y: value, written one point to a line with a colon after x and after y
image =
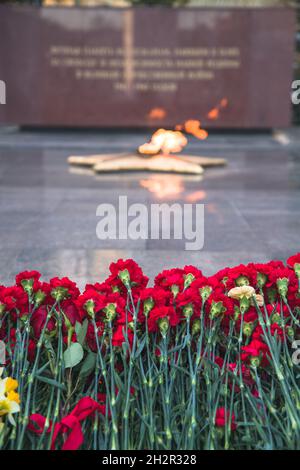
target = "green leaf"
x: 119, y: 382
x: 49, y: 348
x: 73, y: 355
x: 51, y: 382
x: 140, y: 347
x: 88, y: 365
x: 81, y: 329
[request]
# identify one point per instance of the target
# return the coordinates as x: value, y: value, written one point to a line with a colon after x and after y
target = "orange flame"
x: 156, y: 114
x: 167, y: 141
x: 224, y: 102
x: 214, y: 113
x: 164, y: 141
x: 193, y: 126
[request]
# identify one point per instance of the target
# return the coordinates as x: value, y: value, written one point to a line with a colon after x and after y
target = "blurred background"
x: 48, y: 209
x: 187, y: 3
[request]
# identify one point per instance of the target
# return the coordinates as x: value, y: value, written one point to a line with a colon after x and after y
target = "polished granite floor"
x: 48, y: 211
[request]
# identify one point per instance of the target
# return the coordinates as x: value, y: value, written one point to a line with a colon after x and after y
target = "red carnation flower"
x: 193, y: 270
x: 251, y: 315
x: 91, y: 337
x: 275, y: 329
x: 256, y: 352
x: 151, y: 297
x: 42, y: 294
x: 159, y: 313
x: 283, y: 273
x: 28, y: 280
x: 38, y: 321
x: 119, y: 333
x: 223, y: 417
x: 239, y: 276
x: 275, y: 312
x: 90, y: 302
x: 292, y: 260
x: 204, y: 286
x: 171, y: 279
x: 101, y: 288
x: 115, y: 310
x: 63, y: 288
x: 276, y: 264
x: 285, y: 280
x: 190, y: 274
x: 261, y: 274
x: 14, y: 300
x: 189, y: 303
x: 246, y: 375
x: 71, y: 312
x: 218, y: 304
x: 31, y: 350
x: 127, y: 273
x: 222, y: 276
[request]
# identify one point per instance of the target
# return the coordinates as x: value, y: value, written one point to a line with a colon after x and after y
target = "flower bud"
x: 297, y: 269
x: 110, y: 312
x: 24, y: 318
x: 59, y: 293
x: 272, y: 295
x: 188, y: 310
x: 216, y: 309
x: 188, y: 279
x: 205, y: 292
x: 90, y: 307
x: 255, y: 361
x: 39, y: 297
x: 174, y: 290
x: 236, y: 313
x: 290, y: 332
x: 282, y: 285
x: 248, y: 329
x: 261, y: 280
x: 242, y: 281
x: 163, y: 324
x: 148, y: 306
x: 275, y: 318
x: 196, y: 327
x: 51, y: 334
x: 125, y: 277
x: 244, y: 304
x: 68, y: 324
x: 27, y: 285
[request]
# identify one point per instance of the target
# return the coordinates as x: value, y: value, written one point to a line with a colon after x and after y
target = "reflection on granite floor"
x: 48, y: 211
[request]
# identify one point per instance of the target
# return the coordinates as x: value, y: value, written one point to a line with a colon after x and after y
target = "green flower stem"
x: 129, y: 378
x: 58, y: 375
x: 114, y: 435
x: 31, y: 381
x: 150, y: 394
x: 273, y: 347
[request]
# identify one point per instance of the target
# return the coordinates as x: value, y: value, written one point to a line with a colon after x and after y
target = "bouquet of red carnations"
x: 194, y: 362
